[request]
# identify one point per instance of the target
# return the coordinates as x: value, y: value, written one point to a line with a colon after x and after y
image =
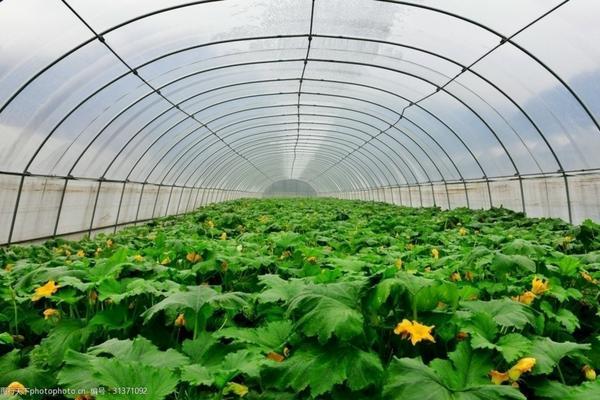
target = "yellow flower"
x: 180, y: 320
x: 539, y: 286
x: 285, y: 255
x: 15, y: 388
x: 469, y: 275
x: 51, y: 312
x: 223, y: 236
x: 263, y: 219
x: 210, y: 224
x: 435, y: 253
x: 462, y: 231
x: 193, y: 257
x: 498, y: 377
x: 45, y: 291
x: 80, y: 253
x: 525, y: 298
x: 583, y: 274
x: 138, y: 258
x: 8, y: 267
x: 311, y: 260
x: 523, y: 365
x: 455, y: 277
x: 399, y: 263
x: 109, y: 243
x: 275, y: 357
x: 402, y: 328
x: 165, y: 261
x: 237, y: 388
x: 415, y: 330
x: 93, y: 296
x: 567, y: 239
x: 67, y: 252
x: 589, y: 373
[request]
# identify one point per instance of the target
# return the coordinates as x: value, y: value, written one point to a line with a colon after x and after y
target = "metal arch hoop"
x: 396, y: 2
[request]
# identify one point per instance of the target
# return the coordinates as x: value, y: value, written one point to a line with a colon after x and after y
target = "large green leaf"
x: 68, y: 334
x: 558, y: 391
x: 140, y: 350
x: 324, y: 310
x: 462, y: 377
x: 548, y: 353
x: 196, y: 297
x: 152, y: 383
x: 278, y: 289
x: 270, y: 337
x: 321, y: 367
x: 505, y: 312
x: 503, y: 264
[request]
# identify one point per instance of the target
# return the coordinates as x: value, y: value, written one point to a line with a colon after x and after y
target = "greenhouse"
x: 299, y: 199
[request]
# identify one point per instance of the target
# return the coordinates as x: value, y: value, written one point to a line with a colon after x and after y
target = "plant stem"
x: 562, y: 378
x: 14, y: 303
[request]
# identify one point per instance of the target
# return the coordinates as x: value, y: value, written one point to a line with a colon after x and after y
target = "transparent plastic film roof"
x: 117, y: 112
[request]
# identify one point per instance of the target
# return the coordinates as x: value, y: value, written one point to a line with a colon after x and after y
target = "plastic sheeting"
x: 116, y: 112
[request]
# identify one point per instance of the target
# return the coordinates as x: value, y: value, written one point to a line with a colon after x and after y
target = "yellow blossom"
x: 539, y: 286
x: 263, y: 219
x: 311, y: 260
x: 210, y: 224
x: 93, y: 296
x: 193, y: 257
x: 67, y: 252
x: 567, y: 239
x: 50, y: 312
x: 15, y: 388
x: 498, y: 377
x: 275, y: 357
x: 583, y: 274
x: 462, y: 231
x: 435, y: 253
x: 469, y: 275
x: 8, y: 267
x: 399, y: 263
x: 165, y: 261
x: 415, y: 330
x: 237, y: 388
x: 523, y: 365
x: 455, y: 277
x: 138, y: 258
x: 80, y: 253
x: 223, y: 236
x: 109, y: 243
x: 589, y: 373
x: 525, y: 298
x: 285, y: 255
x: 180, y: 320
x: 46, y: 290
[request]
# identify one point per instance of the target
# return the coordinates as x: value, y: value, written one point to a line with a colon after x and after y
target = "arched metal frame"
x: 235, y: 159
